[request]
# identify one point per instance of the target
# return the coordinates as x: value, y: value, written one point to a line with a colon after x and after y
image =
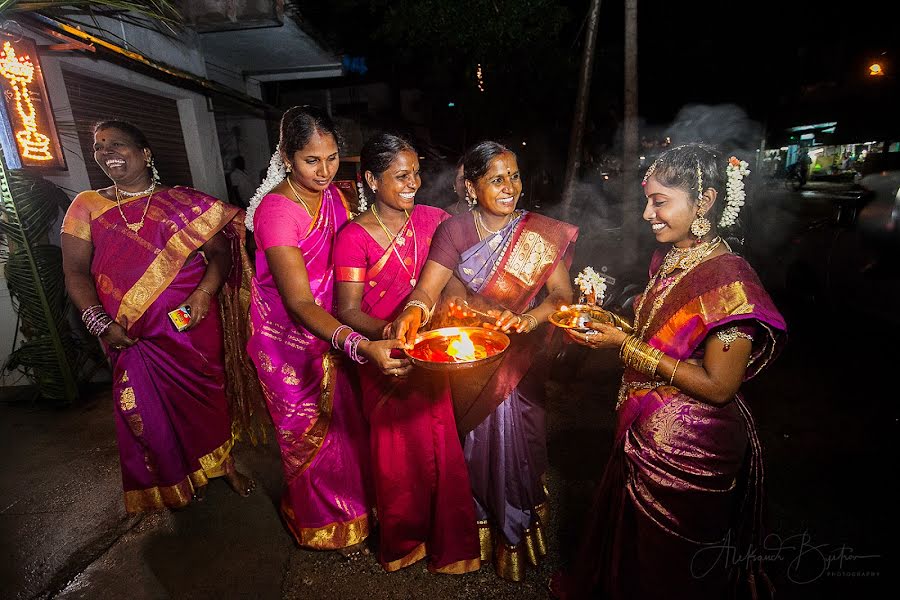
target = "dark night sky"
x: 765, y: 56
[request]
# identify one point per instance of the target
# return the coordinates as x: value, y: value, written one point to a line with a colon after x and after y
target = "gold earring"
x: 287, y: 167
x: 700, y: 226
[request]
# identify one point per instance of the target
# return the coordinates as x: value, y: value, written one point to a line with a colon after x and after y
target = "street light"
x: 876, y: 70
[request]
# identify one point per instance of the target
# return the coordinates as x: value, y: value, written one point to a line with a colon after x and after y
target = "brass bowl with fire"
x: 579, y: 316
x: 456, y: 348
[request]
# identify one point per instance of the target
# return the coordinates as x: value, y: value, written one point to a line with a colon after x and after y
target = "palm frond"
x: 28, y: 206
x: 158, y: 10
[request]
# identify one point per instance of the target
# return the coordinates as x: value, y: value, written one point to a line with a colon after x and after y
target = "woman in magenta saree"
x: 684, y: 481
x: 423, y: 499
x: 515, y: 264
x: 128, y: 263
x: 318, y: 423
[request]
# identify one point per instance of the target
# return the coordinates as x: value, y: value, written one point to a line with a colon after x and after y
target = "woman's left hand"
x: 199, y: 303
x: 600, y: 335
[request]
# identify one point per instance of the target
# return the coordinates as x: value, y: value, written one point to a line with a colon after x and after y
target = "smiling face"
x: 121, y: 158
x: 498, y: 190
x: 670, y: 212
x: 314, y: 166
x: 397, y: 186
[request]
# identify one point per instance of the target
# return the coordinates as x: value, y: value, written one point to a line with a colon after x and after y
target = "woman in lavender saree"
x: 684, y: 481
x: 131, y: 254
x: 422, y: 492
x: 506, y: 259
x: 295, y: 339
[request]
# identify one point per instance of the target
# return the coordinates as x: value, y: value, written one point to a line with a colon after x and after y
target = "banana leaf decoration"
x: 50, y: 355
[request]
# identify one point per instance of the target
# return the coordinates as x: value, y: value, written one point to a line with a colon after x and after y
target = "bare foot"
x: 239, y: 482
x: 354, y: 552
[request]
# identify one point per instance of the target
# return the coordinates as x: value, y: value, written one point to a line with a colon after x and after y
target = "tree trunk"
x: 578, y: 119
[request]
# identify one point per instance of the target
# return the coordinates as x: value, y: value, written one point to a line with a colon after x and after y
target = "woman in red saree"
x: 514, y: 263
x: 682, y: 492
x: 132, y: 252
x: 295, y: 340
x: 423, y: 500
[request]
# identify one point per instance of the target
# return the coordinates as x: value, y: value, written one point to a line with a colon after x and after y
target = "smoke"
x: 437, y: 184
x: 726, y: 126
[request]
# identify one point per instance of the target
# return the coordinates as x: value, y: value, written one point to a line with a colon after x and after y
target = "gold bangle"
x: 426, y: 314
x: 672, y: 378
x: 641, y: 356
x: 205, y: 291
x: 531, y: 319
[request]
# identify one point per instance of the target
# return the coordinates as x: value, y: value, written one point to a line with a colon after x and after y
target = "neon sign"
x: 27, y: 106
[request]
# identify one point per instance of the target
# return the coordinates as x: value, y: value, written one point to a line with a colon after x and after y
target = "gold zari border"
x: 169, y: 261
x: 180, y: 494
x: 413, y: 557
x: 332, y: 536
x: 460, y: 567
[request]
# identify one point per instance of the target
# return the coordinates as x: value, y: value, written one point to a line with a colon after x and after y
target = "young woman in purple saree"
x: 684, y: 481
x: 505, y: 258
x: 295, y: 340
x: 422, y: 491
x: 130, y: 256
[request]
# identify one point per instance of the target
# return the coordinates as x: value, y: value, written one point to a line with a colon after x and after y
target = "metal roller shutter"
x: 95, y: 100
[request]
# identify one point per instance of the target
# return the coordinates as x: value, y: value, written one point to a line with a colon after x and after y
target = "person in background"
x: 173, y: 424
x: 463, y: 202
x: 300, y: 350
x: 240, y: 182
x: 423, y: 497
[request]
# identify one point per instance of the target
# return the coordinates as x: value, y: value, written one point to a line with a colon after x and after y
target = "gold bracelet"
x: 205, y: 291
x: 672, y: 378
x: 640, y: 356
x: 531, y: 319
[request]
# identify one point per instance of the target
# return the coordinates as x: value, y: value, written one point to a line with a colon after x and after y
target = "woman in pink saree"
x: 131, y: 254
x: 515, y: 264
x: 295, y: 340
x: 684, y: 482
x: 422, y: 493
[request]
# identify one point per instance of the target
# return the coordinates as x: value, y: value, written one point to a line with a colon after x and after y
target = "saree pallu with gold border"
x: 499, y: 408
x: 685, y: 477
x: 169, y: 389
x: 315, y: 410
x: 422, y: 491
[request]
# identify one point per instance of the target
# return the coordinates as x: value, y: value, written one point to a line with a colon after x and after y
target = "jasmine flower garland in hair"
x: 734, y: 196
x: 363, y: 204
x: 274, y: 175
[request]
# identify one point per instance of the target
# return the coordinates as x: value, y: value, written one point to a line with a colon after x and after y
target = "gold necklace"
x: 686, y: 258
x: 686, y: 261
x: 128, y: 194
x: 394, y: 238
x: 479, y: 221
x: 135, y: 227
x: 412, y: 274
x: 297, y: 194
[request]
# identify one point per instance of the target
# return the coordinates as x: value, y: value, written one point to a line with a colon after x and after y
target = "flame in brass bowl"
x: 577, y: 317
x: 455, y: 348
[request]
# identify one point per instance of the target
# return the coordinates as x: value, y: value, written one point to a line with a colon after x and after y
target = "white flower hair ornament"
x: 363, y: 203
x: 592, y: 285
x: 274, y: 175
x: 734, y: 196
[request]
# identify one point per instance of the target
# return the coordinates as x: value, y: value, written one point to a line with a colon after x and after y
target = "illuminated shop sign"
x: 31, y: 130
